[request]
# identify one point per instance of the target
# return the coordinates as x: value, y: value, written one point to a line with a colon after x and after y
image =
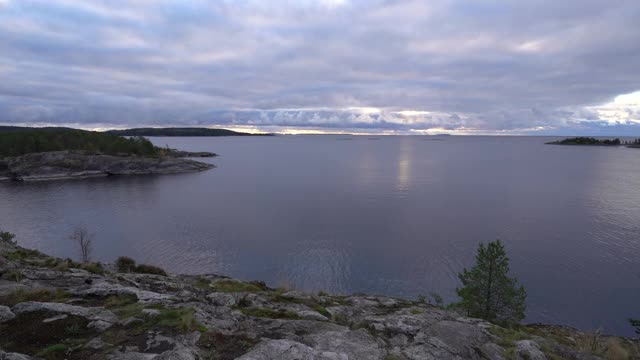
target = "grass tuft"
x: 238, y: 286
x: 41, y: 295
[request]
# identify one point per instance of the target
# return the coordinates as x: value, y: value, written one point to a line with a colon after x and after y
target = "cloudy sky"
x: 387, y: 66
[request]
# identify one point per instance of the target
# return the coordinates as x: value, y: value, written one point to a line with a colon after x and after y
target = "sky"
x: 526, y: 67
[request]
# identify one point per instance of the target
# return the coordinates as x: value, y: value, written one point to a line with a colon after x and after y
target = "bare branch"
x: 84, y: 239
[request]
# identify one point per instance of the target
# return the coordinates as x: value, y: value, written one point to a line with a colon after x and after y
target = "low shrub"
x: 150, y: 269
x: 125, y: 264
x: 7, y: 237
x: 12, y: 275
x: 94, y: 268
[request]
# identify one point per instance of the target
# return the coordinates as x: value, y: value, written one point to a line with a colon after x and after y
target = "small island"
x: 586, y: 141
x: 596, y: 142
x: 62, y: 153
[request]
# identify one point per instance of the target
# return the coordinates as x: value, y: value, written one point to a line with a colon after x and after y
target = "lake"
x: 398, y: 216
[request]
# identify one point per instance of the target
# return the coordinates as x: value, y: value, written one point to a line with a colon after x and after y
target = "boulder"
x: 529, y: 350
x: 221, y: 299
x: 6, y: 314
x: 289, y: 350
x: 13, y: 356
x: 355, y: 344
x: 91, y: 313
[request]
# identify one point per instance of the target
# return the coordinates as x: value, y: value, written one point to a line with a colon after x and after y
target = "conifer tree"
x: 487, y: 291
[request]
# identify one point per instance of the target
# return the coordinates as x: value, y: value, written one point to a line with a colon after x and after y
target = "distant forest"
x: 173, y: 131
x: 18, y: 141
x: 593, y: 141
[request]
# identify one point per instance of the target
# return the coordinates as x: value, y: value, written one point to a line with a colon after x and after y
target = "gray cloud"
x: 476, y: 66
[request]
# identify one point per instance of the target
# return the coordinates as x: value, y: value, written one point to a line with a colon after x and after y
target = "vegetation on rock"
x: 34, y: 141
x: 487, y: 291
x: 586, y: 141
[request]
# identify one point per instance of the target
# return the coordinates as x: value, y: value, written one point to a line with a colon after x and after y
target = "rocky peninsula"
x: 28, y: 154
x: 68, y: 164
x: 52, y: 308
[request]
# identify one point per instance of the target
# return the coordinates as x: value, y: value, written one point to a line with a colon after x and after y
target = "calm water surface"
x: 392, y: 215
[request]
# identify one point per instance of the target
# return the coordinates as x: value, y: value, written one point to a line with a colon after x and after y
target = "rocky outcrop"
x: 57, y: 309
x: 68, y: 164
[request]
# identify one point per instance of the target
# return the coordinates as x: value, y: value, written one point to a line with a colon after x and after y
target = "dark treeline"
x: 593, y: 141
x: 586, y: 141
x: 177, y: 131
x: 15, y: 143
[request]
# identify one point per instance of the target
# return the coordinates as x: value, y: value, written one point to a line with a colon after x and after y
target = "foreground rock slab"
x: 56, y: 309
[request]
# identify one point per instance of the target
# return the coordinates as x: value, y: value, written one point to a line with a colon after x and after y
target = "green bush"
x: 125, y: 264
x: 150, y: 269
x: 94, y: 268
x: 7, y: 237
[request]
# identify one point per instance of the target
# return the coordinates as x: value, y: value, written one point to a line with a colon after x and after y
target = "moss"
x: 311, y: 303
x: 53, y: 351
x: 130, y: 310
x: 202, y: 283
x: 41, y: 295
x: 12, y: 275
x: 225, y: 347
x: 94, y: 268
x: 118, y: 301
x: 322, y: 310
x: 341, y: 319
x: 549, y: 353
x: 238, y: 286
x: 508, y: 336
x: 23, y: 255
x: 392, y: 357
x: 27, y: 334
x: 180, y: 320
x: 510, y: 353
x: 269, y: 313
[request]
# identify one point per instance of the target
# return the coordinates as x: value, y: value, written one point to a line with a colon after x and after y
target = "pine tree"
x: 636, y: 324
x: 488, y: 292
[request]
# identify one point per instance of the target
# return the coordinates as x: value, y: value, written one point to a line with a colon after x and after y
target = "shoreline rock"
x: 58, y: 165
x: 61, y: 310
